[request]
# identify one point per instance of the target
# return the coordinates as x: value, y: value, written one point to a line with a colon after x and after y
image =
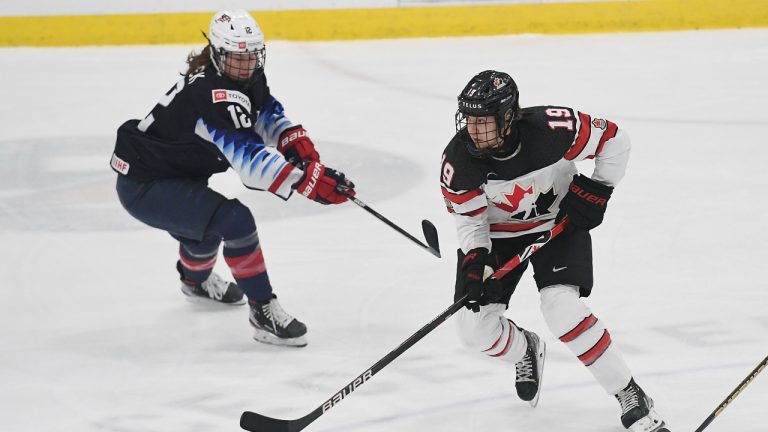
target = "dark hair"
x: 199, y: 61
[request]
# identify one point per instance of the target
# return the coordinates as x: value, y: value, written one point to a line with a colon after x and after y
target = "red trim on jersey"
x: 609, y: 133
x: 248, y: 265
x: 577, y: 331
x: 596, y: 351
x: 197, y: 265
x: 515, y: 227
x: 462, y: 197
x: 281, y: 178
x: 585, y: 130
x: 475, y: 212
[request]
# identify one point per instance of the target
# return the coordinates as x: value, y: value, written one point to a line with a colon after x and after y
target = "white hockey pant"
x: 489, y: 332
x: 573, y: 323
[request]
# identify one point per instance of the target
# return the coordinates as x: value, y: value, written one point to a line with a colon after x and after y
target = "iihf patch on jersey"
x: 600, y: 123
x: 234, y: 96
x: 119, y: 165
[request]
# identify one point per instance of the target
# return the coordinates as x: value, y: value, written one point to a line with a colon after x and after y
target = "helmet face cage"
x: 489, y: 93
x: 240, y: 66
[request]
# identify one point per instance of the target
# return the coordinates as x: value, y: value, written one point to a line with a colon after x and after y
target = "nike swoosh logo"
x: 556, y: 269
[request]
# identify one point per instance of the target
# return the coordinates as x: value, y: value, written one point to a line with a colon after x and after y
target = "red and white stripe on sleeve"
x: 470, y: 210
x: 602, y: 140
x: 591, y: 136
x: 465, y: 203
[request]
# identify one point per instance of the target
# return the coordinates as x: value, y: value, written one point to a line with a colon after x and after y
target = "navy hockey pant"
x: 201, y: 218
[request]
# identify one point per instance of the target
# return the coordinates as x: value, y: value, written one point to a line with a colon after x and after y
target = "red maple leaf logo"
x: 514, y: 199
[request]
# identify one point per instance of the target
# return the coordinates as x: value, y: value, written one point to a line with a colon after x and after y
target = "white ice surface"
x: 97, y: 337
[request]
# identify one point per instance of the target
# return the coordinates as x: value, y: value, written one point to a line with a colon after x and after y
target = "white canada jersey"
x: 520, y: 192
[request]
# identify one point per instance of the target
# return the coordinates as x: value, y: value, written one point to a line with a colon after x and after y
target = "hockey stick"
x: 430, y: 232
x: 733, y: 394
x: 258, y: 423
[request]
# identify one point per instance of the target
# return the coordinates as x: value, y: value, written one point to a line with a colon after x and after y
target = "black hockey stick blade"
x: 254, y: 422
x: 430, y: 234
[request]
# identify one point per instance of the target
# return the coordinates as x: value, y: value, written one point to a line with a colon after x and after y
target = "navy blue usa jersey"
x: 205, y: 124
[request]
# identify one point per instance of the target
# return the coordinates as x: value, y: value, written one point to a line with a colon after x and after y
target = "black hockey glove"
x: 470, y: 279
x: 585, y: 203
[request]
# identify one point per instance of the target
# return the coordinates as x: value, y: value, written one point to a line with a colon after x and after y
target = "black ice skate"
x: 275, y: 326
x: 530, y: 369
x: 637, y: 413
x: 214, y: 289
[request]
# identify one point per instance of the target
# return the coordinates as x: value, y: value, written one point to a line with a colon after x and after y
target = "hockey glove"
x: 324, y: 185
x: 473, y: 272
x: 296, y: 146
x: 585, y: 203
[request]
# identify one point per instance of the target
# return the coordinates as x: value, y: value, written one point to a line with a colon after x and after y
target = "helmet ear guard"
x: 489, y: 93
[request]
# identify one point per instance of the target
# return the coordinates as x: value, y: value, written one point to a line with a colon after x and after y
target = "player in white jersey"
x: 507, y: 175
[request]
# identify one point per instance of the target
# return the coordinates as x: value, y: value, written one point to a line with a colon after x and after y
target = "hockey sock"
x: 242, y: 251
x: 197, y: 259
x: 246, y: 261
x: 489, y: 332
x: 586, y: 336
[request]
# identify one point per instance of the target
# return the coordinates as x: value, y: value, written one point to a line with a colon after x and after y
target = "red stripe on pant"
x: 577, y: 331
x: 197, y: 266
x: 246, y: 266
x: 508, y: 345
x: 596, y: 351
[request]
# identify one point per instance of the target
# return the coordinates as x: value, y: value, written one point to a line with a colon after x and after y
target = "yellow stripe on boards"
x: 385, y: 23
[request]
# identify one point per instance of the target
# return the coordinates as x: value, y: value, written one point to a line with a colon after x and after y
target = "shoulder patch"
x: 600, y: 123
x: 233, y: 96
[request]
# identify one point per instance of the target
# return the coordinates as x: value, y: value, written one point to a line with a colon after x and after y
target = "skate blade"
x: 542, y: 353
x: 266, y: 337
x: 194, y: 298
x: 650, y: 423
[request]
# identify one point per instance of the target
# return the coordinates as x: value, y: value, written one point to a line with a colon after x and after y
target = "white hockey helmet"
x: 236, y: 32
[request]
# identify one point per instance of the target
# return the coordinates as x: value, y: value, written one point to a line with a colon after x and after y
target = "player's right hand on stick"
x: 324, y: 185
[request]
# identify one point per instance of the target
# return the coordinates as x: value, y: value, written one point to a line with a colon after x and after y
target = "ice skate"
x: 213, y: 289
x: 530, y: 369
x: 275, y: 326
x: 637, y: 413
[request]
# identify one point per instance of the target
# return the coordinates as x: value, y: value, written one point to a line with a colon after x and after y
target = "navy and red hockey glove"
x: 585, y: 203
x: 324, y: 185
x: 295, y: 145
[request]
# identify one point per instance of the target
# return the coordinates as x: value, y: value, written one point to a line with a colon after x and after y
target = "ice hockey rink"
x: 96, y: 335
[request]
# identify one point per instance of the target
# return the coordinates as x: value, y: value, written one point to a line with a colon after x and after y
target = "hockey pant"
x: 570, y: 320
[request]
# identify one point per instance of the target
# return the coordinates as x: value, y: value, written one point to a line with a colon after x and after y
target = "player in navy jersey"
x: 508, y: 175
x: 221, y: 115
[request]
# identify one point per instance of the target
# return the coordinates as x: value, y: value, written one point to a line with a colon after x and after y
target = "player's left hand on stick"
x: 324, y: 185
x: 585, y: 203
x: 474, y: 273
x: 295, y: 145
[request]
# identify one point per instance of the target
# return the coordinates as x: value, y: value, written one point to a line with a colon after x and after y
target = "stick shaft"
x: 733, y: 394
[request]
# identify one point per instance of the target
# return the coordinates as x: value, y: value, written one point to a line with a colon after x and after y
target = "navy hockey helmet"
x: 489, y: 93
